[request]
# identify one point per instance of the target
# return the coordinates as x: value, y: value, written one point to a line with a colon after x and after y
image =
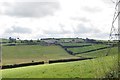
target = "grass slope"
x: 27, y: 53
x: 0, y: 74
x: 75, y: 44
x: 100, y: 53
x: 86, y: 48
x: 95, y: 68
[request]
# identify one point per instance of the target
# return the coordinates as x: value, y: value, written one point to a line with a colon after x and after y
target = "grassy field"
x: 74, y: 44
x: 100, y: 53
x: 95, y: 68
x: 4, y: 40
x: 86, y: 48
x: 27, y: 53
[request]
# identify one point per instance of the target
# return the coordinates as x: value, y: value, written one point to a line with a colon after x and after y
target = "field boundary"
x: 67, y: 60
x: 42, y: 62
x: 72, y: 53
x: 21, y: 65
x: 74, y: 46
x: 91, y: 50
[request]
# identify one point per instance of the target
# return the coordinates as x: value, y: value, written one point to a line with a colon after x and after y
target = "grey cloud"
x: 31, y: 9
x: 82, y: 29
x: 102, y: 35
x: 92, y: 9
x: 60, y: 31
x: 18, y: 29
x: 110, y: 2
x: 63, y: 30
x: 83, y: 19
x: 56, y: 31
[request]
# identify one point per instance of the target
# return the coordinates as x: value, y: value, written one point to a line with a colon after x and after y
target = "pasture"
x: 29, y: 53
x: 86, y: 48
x: 99, y: 67
x: 75, y: 44
x: 95, y: 68
x: 100, y: 53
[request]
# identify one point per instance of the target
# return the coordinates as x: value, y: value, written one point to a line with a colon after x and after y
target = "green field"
x: 86, y: 48
x: 95, y: 68
x: 100, y: 53
x: 99, y: 67
x: 4, y: 40
x: 29, y: 53
x: 75, y: 44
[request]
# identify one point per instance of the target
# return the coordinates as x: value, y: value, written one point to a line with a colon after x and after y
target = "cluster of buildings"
x: 67, y: 40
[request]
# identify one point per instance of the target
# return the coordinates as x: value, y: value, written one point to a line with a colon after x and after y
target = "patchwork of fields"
x: 95, y: 68
x: 98, y: 67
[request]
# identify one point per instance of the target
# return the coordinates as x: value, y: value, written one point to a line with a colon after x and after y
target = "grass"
x: 75, y: 44
x: 4, y: 40
x: 86, y: 48
x: 0, y: 74
x: 95, y: 68
x: 27, y: 53
x: 99, y: 53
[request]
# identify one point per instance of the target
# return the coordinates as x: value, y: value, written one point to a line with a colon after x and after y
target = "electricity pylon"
x: 115, y: 32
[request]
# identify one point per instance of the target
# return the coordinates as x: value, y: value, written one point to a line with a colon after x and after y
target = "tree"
x: 38, y: 40
x: 31, y: 41
x: 26, y: 41
x: 11, y: 40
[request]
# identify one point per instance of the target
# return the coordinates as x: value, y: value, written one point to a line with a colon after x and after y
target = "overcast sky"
x: 35, y: 19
